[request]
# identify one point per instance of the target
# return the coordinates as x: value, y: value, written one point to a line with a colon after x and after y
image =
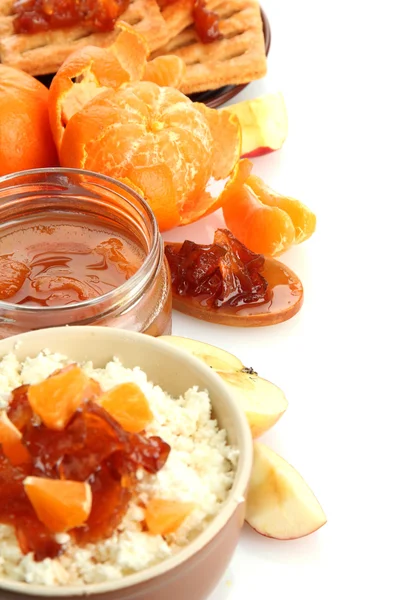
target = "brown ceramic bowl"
x: 195, y: 571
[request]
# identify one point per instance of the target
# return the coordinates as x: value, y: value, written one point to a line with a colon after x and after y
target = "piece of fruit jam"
x: 32, y: 16
x: 63, y: 262
x: 224, y: 273
x: 92, y: 447
x: 206, y: 22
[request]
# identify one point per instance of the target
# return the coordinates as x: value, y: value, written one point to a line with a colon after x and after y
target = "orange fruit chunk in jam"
x: 92, y: 452
x: 56, y: 398
x: 59, y: 505
x: 166, y: 516
x: 10, y: 441
x: 128, y: 405
x: 12, y: 277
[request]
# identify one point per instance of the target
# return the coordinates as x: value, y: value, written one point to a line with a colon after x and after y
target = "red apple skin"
x: 288, y: 539
x: 259, y: 152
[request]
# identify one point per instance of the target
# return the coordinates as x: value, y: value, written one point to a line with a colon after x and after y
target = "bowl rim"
x: 235, y: 497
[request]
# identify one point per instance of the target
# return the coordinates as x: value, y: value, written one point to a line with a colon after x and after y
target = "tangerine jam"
x: 32, y: 16
x: 89, y: 446
x: 79, y: 248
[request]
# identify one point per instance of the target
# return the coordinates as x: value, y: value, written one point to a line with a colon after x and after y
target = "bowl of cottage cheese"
x: 190, y: 458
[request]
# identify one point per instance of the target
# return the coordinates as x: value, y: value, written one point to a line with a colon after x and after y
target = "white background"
x: 337, y: 65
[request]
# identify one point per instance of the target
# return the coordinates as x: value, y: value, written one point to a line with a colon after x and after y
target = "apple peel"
x: 263, y: 122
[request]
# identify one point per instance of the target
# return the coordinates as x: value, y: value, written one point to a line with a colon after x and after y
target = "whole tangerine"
x: 26, y: 141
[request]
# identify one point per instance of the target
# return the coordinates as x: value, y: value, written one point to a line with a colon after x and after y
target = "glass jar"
x: 143, y: 302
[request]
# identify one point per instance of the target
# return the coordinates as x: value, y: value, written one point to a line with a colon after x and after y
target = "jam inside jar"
x: 78, y: 248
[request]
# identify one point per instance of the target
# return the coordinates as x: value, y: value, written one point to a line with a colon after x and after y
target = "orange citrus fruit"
x: 264, y: 221
x: 156, y: 140
x: 166, y: 516
x: 59, y: 504
x: 10, y: 441
x: 56, y: 398
x: 144, y: 133
x: 26, y: 140
x: 304, y: 221
x: 91, y: 70
x: 127, y: 404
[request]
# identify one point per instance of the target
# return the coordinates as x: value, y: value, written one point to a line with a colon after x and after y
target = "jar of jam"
x: 79, y: 248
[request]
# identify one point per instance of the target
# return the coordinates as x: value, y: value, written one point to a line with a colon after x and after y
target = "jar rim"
x: 130, y: 283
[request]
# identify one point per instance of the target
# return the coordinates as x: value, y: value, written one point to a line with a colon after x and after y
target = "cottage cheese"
x: 200, y: 469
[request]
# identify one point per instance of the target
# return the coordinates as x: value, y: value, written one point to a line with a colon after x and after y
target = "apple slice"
x: 264, y: 124
x: 279, y: 503
x: 262, y: 401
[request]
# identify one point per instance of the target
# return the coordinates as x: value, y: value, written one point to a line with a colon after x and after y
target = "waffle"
x: 44, y: 52
x: 237, y: 58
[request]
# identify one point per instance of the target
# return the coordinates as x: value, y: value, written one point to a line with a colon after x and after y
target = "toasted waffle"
x: 239, y: 57
x: 44, y: 52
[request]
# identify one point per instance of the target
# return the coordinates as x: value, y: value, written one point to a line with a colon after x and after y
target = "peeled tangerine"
x: 59, y: 504
x: 105, y: 118
x: 263, y: 220
x: 263, y: 122
x: 279, y: 503
x: 262, y: 401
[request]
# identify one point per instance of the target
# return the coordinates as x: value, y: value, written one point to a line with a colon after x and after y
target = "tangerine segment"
x: 167, y: 70
x: 227, y: 140
x: 166, y: 516
x: 59, y: 505
x: 92, y: 70
x: 127, y: 404
x: 56, y: 398
x: 263, y: 229
x: 303, y: 219
x: 10, y: 441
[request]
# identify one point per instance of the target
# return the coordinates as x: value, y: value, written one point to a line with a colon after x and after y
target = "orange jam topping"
x: 68, y: 436
x: 63, y: 263
x: 224, y: 273
x: 33, y: 16
x: 206, y: 22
